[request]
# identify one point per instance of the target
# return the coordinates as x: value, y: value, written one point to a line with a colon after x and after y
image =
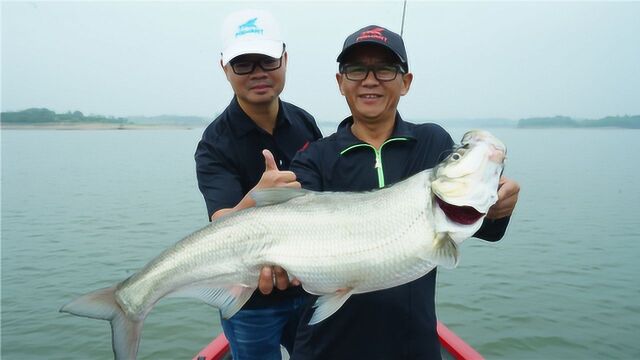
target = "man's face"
x: 370, y: 99
x: 259, y: 86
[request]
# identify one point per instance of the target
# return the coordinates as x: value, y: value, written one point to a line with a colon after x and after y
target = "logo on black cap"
x: 373, y: 34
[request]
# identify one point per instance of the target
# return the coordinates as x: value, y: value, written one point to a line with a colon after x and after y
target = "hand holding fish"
x: 271, y: 276
x: 507, y: 198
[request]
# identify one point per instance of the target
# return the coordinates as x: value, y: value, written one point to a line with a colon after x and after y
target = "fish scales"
x: 188, y: 261
x: 346, y: 251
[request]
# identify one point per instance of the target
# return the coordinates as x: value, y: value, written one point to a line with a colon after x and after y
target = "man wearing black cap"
x: 372, y: 148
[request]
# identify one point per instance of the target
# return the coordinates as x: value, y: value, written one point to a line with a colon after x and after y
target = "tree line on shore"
x: 36, y: 116
x: 43, y: 116
x: 629, y: 122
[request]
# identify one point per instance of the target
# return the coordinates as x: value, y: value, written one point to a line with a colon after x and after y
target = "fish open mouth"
x: 465, y: 215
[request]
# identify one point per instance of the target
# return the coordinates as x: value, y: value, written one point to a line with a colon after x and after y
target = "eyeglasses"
x: 266, y: 63
x: 381, y: 72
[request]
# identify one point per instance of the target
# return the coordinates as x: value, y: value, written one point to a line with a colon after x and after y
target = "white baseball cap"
x: 250, y: 32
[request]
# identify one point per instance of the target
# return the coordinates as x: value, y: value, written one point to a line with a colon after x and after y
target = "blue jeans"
x: 256, y: 334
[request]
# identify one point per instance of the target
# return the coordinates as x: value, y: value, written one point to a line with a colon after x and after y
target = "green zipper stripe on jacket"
x: 378, y: 154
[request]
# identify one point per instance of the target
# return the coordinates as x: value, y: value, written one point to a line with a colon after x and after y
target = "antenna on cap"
x: 404, y: 10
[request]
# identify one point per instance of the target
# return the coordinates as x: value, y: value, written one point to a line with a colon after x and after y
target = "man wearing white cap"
x: 247, y: 147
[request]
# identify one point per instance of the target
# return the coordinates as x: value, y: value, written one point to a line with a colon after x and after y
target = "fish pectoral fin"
x: 228, y: 299
x: 240, y: 296
x: 445, y: 251
x: 271, y: 196
x: 327, y: 305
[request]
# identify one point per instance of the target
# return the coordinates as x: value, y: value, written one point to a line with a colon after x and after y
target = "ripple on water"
x: 449, y: 306
x: 525, y: 347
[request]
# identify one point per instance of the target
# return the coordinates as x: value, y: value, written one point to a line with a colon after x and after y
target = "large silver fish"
x: 336, y: 244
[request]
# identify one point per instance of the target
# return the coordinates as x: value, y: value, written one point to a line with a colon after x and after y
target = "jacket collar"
x: 346, y: 138
x: 241, y: 124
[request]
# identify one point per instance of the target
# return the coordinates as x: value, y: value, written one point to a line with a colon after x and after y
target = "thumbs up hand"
x: 272, y: 177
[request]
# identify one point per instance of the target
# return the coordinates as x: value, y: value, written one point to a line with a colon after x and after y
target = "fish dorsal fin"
x: 445, y: 251
x: 327, y: 305
x: 271, y: 196
x: 228, y: 299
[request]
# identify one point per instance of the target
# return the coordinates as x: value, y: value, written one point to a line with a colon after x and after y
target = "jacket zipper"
x: 378, y: 154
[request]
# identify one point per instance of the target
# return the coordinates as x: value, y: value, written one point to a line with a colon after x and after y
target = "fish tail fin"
x: 445, y: 251
x: 101, y: 304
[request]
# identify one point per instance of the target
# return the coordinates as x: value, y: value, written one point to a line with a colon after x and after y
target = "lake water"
x: 85, y: 209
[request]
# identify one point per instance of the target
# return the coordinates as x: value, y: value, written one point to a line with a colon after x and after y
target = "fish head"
x: 465, y: 184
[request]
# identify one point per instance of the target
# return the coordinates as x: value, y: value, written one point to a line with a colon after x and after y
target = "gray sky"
x: 469, y: 59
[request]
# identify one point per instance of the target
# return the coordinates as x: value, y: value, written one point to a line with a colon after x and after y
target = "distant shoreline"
x: 113, y: 126
x: 97, y: 126
x: 45, y: 119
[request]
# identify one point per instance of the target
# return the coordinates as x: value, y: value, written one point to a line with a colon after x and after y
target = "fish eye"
x: 455, y: 156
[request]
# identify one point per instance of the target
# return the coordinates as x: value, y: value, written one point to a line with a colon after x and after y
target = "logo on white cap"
x: 251, y: 32
x: 249, y: 27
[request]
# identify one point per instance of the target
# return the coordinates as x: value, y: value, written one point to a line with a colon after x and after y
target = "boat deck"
x: 453, y: 347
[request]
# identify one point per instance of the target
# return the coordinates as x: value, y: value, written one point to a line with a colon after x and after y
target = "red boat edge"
x: 452, y: 343
x: 216, y: 350
x: 455, y: 346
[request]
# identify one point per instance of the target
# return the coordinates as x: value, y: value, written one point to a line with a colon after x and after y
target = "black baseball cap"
x: 374, y: 34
